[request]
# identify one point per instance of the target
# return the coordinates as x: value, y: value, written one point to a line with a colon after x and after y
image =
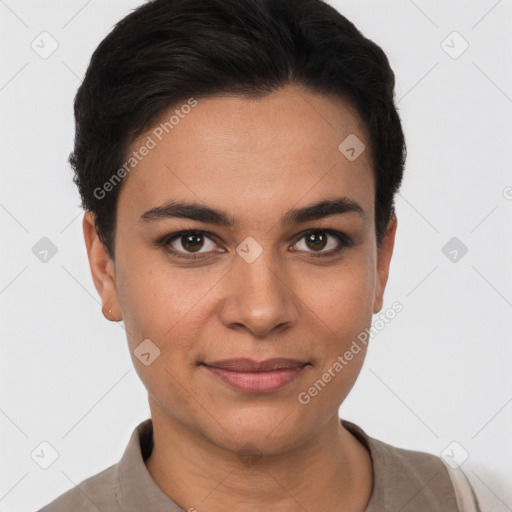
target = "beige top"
x: 403, y: 480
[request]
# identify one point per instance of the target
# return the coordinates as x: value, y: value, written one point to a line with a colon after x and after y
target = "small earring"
x: 108, y: 315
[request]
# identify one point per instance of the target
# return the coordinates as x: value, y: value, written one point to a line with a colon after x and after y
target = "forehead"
x: 252, y: 156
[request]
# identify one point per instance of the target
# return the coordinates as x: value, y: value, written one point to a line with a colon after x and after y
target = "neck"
x: 331, y: 471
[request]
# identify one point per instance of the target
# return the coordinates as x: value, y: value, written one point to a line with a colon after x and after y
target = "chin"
x: 264, y: 431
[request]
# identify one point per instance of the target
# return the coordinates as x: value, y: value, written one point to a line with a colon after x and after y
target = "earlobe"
x: 102, y: 268
x: 383, y: 261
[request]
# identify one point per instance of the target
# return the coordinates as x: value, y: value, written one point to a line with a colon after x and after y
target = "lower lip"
x: 257, y: 382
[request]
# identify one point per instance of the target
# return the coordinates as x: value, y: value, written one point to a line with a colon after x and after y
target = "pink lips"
x: 256, y: 377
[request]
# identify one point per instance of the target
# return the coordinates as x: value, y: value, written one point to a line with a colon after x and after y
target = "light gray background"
x: 438, y: 373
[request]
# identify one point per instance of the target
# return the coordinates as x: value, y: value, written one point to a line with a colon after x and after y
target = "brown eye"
x: 322, y: 242
x: 191, y: 242
x: 188, y: 244
x: 316, y: 240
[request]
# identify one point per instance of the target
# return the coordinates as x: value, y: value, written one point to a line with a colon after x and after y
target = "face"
x: 277, y: 278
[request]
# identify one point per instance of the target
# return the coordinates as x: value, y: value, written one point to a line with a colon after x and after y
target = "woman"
x: 238, y: 162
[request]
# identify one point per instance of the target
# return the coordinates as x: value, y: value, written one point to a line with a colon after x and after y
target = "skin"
x: 254, y: 159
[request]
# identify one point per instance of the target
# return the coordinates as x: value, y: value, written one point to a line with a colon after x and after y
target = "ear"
x: 384, y: 254
x: 102, y: 269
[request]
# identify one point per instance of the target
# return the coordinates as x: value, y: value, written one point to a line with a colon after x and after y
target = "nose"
x: 259, y: 297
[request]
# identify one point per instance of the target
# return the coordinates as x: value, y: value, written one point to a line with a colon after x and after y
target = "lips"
x: 256, y: 376
x: 249, y: 365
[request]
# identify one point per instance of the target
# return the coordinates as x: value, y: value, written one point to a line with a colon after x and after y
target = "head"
x: 267, y: 131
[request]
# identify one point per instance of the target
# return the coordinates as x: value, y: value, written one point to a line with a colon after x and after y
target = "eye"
x: 318, y: 239
x: 194, y: 244
x: 188, y: 244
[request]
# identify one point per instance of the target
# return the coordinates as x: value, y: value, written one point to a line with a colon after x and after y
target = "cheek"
x: 341, y: 309
x: 158, y: 301
x: 341, y: 299
x: 167, y: 307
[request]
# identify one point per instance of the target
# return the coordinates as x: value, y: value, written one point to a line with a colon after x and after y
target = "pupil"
x: 315, y: 238
x: 192, y: 242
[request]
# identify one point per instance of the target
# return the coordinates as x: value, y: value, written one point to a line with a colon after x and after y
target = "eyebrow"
x: 200, y: 212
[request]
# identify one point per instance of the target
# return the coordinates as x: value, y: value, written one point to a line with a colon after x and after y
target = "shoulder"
x: 406, y: 480
x: 122, y: 486
x: 93, y: 494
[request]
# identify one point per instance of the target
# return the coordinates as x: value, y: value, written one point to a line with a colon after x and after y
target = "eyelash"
x: 165, y: 242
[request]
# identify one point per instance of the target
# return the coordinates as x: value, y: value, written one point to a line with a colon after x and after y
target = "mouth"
x: 256, y: 376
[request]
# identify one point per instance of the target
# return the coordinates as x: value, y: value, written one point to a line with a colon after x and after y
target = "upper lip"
x: 249, y: 365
